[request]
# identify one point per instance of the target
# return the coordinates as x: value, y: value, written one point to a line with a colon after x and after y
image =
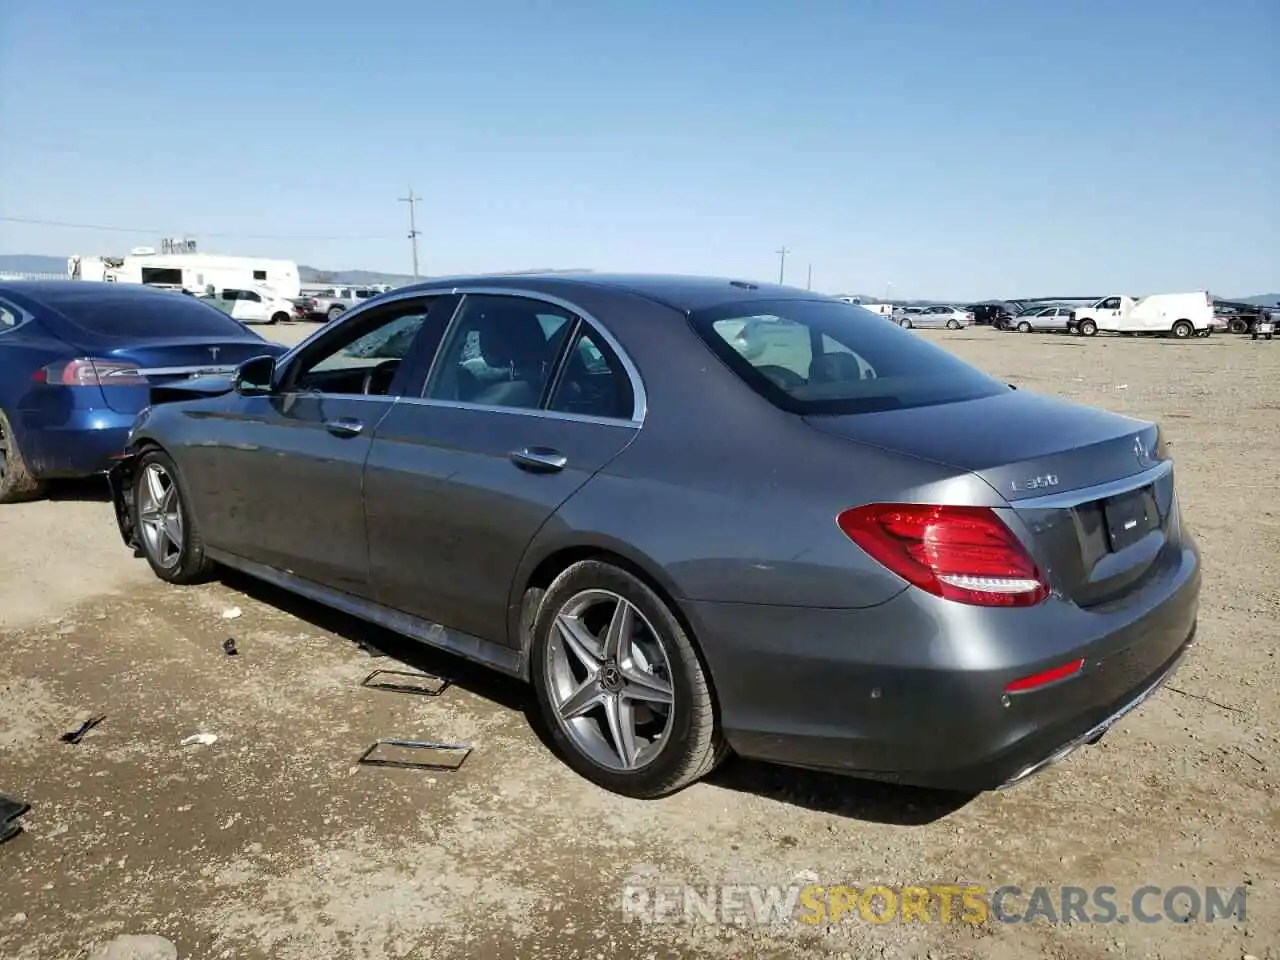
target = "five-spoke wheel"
x: 620, y: 685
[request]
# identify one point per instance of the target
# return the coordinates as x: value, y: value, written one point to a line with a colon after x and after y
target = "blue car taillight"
x: 89, y: 372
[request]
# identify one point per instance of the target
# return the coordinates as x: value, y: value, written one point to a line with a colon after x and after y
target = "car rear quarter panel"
x: 724, y: 497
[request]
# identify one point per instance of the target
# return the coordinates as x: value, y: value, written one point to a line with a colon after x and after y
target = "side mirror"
x: 256, y: 376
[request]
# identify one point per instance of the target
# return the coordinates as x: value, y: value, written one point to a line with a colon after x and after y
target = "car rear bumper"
x: 913, y: 691
x: 84, y: 443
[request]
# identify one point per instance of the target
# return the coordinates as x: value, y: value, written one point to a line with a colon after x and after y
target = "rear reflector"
x: 1045, y: 677
x: 966, y: 554
x: 87, y: 372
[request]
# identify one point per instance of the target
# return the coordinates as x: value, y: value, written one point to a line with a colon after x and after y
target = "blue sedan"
x: 78, y: 361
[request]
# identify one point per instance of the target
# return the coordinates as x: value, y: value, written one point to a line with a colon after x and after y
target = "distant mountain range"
x: 35, y: 263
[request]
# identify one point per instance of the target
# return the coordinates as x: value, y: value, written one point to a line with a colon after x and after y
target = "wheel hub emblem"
x: 611, y: 677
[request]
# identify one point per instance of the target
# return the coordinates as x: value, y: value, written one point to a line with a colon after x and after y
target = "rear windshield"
x: 826, y: 357
x: 139, y: 313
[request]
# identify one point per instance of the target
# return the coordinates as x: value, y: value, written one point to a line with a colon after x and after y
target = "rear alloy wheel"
x: 1183, y: 329
x: 1088, y: 328
x: 905, y: 323
x: 170, y: 539
x: 953, y: 324
x: 17, y: 485
x: 1024, y: 327
x: 334, y: 313
x: 620, y: 686
x: 279, y: 318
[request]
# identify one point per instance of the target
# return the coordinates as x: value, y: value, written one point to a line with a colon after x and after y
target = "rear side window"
x: 134, y: 314
x: 824, y: 357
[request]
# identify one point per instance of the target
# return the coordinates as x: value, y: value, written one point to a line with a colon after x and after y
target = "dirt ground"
x: 273, y: 843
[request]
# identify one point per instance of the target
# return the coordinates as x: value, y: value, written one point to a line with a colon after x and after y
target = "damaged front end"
x: 120, y: 480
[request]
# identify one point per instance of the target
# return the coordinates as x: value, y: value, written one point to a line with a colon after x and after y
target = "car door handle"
x: 344, y: 427
x: 539, y: 459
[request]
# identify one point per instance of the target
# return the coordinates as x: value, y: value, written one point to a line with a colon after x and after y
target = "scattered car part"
x: 76, y: 735
x: 450, y: 756
x: 429, y: 686
x: 10, y: 811
x: 203, y: 739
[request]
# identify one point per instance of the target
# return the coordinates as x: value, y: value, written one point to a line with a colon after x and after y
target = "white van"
x: 1181, y: 315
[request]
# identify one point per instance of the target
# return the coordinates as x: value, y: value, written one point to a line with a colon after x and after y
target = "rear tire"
x: 1024, y: 327
x: 905, y: 323
x: 682, y: 739
x: 953, y: 324
x: 1088, y: 328
x: 279, y: 318
x: 17, y: 484
x: 1183, y: 329
x: 334, y: 313
x: 166, y: 530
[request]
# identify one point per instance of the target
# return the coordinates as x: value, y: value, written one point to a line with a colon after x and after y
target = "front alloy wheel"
x: 171, y: 541
x: 621, y: 688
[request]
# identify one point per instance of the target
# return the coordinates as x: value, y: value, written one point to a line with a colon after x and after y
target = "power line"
x: 782, y: 263
x: 32, y: 221
x: 413, y: 201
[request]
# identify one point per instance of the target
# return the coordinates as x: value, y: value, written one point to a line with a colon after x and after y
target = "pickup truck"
x: 332, y: 303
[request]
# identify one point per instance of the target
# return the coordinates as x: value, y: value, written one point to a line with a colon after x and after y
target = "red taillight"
x: 1045, y: 677
x: 966, y: 554
x: 90, y: 373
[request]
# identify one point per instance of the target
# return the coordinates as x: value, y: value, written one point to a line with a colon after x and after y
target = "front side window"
x: 819, y: 357
x: 500, y: 352
x: 259, y: 274
x: 363, y: 357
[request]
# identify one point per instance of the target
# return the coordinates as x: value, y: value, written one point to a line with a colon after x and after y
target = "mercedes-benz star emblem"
x: 611, y: 678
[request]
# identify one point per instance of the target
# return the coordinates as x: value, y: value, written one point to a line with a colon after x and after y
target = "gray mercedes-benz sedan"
x: 699, y: 516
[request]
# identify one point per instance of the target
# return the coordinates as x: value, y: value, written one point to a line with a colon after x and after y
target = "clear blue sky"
x: 950, y: 148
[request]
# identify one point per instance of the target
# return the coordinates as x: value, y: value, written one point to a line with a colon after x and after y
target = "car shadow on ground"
x: 88, y: 490
x: 829, y: 793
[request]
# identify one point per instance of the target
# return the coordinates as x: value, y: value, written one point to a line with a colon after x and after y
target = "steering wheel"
x: 781, y: 376
x: 377, y: 379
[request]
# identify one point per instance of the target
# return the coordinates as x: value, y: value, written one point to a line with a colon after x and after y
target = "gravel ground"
x: 273, y: 843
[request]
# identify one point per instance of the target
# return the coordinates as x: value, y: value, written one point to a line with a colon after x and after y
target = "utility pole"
x: 808, y: 284
x: 782, y: 263
x: 412, y: 201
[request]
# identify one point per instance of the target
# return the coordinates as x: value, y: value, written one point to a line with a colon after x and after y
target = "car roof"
x: 50, y: 291
x: 683, y: 293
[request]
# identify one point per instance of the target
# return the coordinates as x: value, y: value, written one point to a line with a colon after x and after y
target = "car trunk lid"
x: 169, y: 360
x: 1085, y: 484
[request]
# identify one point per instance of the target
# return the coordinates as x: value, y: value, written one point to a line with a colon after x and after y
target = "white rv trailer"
x: 196, y: 272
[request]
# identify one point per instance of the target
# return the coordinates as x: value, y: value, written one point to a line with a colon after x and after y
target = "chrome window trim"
x: 24, y: 316
x: 537, y: 412
x: 1073, y: 498
x: 640, y: 397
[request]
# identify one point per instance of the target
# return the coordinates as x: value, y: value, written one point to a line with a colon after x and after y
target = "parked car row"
x: 563, y: 478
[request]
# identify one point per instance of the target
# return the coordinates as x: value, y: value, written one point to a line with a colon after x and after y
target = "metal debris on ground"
x: 203, y: 739
x: 416, y: 755
x: 76, y: 735
x: 229, y: 647
x: 10, y: 811
x: 423, y: 684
